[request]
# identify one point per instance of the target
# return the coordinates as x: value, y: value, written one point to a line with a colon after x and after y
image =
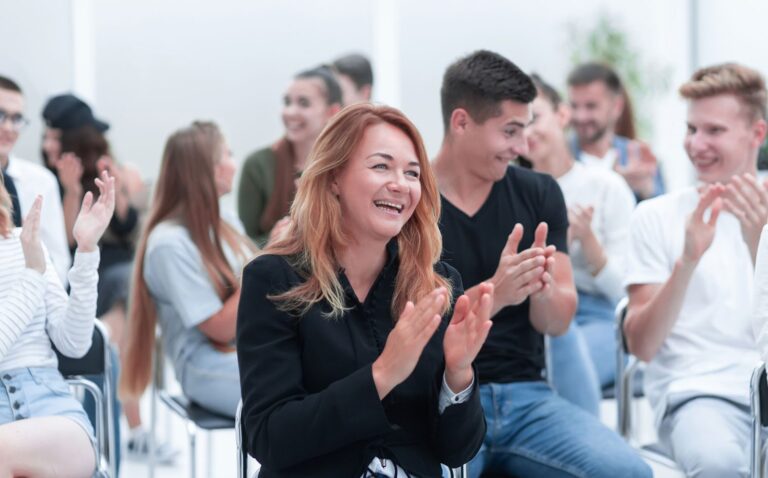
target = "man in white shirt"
x: 599, y: 104
x: 26, y: 180
x: 690, y: 283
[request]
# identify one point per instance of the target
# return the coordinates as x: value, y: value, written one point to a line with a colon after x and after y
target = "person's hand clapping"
x: 30, y: 238
x: 407, y: 340
x: 465, y: 335
x: 546, y: 279
x: 699, y: 233
x: 94, y: 217
x: 70, y: 170
x: 518, y: 273
x: 747, y: 199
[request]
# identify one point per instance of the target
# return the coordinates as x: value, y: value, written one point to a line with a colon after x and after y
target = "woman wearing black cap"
x: 76, y: 151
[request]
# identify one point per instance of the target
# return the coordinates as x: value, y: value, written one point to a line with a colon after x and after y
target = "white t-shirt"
x: 613, y: 203
x: 711, y: 349
x: 760, y: 305
x: 606, y: 162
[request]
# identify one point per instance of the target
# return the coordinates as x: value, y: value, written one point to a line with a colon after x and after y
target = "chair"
x: 195, y: 417
x: 96, y: 362
x: 627, y: 366
x: 758, y: 394
x: 242, y: 453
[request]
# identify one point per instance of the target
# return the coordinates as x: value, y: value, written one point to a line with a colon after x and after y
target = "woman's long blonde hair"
x: 185, y: 191
x: 316, y: 229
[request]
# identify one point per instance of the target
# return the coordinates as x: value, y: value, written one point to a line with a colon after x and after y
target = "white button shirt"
x: 32, y: 179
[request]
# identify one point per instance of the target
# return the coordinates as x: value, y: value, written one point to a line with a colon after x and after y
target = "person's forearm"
x: 122, y: 203
x: 552, y: 314
x: 648, y: 325
x: 71, y: 206
x: 593, y: 253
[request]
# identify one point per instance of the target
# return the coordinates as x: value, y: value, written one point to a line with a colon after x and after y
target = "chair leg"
x: 209, y: 454
x: 152, y: 431
x: 192, y: 433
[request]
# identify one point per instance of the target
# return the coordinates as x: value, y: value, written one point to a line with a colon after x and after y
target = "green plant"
x: 605, y: 41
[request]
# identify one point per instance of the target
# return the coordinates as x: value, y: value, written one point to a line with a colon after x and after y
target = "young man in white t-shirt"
x: 689, y: 279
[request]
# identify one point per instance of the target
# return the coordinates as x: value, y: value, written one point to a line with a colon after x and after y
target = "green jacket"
x: 256, y: 183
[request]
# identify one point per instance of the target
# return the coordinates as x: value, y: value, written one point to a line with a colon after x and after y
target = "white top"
x: 606, y: 162
x: 613, y: 203
x: 30, y: 180
x: 711, y: 348
x: 35, y: 310
x: 760, y: 306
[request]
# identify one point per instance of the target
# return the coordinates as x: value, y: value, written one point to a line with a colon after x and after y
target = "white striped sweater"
x: 35, y: 309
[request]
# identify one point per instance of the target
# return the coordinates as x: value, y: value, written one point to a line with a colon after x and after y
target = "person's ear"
x: 333, y: 109
x: 563, y: 115
x: 335, y: 187
x: 759, y: 130
x: 459, y: 121
x: 618, y: 105
x: 366, y: 91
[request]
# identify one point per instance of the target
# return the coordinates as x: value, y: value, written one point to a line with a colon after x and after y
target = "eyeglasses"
x: 17, y: 120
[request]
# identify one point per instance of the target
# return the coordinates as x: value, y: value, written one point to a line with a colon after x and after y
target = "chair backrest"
x: 763, y: 391
x: 94, y: 362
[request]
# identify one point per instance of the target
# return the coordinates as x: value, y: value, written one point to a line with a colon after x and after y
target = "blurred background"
x: 151, y: 67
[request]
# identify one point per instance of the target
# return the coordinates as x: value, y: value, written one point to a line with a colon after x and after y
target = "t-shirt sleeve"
x: 646, y: 260
x: 555, y: 214
x: 175, y: 274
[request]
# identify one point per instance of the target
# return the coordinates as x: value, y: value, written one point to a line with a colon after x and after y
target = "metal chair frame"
x: 73, y: 373
x: 180, y: 405
x: 627, y: 366
x: 758, y: 393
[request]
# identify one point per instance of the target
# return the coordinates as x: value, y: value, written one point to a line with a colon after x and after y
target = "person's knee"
x: 626, y: 464
x: 708, y: 462
x: 7, y: 454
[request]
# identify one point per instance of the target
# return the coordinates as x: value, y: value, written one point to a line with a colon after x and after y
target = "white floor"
x: 223, y: 452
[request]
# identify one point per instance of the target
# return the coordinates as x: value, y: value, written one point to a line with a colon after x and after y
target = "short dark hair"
x: 546, y: 90
x: 590, y: 72
x: 324, y: 73
x: 479, y: 82
x: 8, y: 84
x: 356, y: 67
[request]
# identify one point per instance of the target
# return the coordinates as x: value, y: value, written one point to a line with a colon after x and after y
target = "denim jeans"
x: 584, y: 358
x: 534, y: 432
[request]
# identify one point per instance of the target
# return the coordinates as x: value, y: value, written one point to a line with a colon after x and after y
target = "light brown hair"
x: 186, y: 191
x: 746, y: 84
x: 316, y: 229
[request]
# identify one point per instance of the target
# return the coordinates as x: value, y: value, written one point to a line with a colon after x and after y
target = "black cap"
x: 70, y: 112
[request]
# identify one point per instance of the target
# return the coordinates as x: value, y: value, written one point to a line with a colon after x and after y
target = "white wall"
x: 151, y: 67
x: 36, y: 52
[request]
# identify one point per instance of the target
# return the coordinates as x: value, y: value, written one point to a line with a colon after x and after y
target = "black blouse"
x: 310, y: 406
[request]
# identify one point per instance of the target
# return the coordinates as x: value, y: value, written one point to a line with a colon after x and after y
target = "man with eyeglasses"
x: 25, y: 180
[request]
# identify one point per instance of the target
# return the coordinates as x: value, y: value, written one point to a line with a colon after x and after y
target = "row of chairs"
x: 97, y: 362
x: 627, y: 366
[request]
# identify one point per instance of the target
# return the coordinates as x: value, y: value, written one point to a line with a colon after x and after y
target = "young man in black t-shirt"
x: 508, y: 225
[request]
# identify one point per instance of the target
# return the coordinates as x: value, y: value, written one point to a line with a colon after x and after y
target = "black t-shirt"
x: 514, y: 350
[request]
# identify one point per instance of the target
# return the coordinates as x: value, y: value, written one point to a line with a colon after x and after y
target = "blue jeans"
x: 584, y: 359
x: 533, y: 432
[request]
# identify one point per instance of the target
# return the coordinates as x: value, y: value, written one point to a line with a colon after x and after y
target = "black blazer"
x: 310, y: 406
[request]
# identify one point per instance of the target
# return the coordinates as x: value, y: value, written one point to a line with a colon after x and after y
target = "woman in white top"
x: 43, y: 428
x: 599, y: 208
